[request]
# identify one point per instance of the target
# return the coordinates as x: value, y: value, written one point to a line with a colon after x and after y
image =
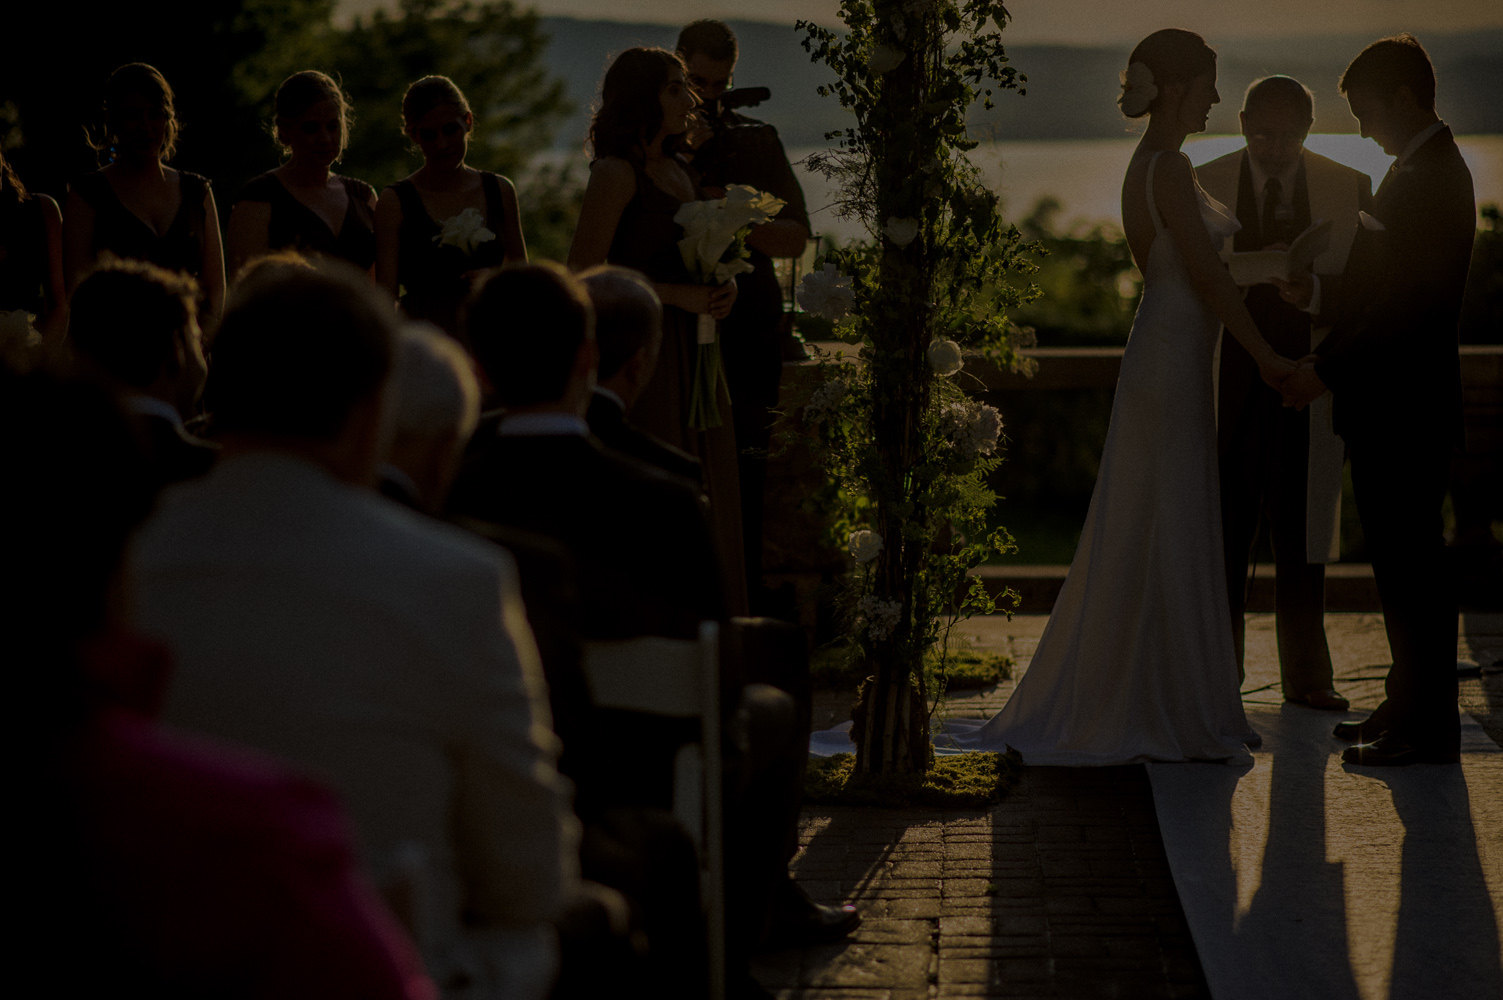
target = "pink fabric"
x: 221, y: 872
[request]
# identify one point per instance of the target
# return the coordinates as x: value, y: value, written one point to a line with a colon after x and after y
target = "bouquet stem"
x: 709, y: 370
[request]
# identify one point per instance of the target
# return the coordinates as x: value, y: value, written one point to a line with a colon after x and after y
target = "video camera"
x: 732, y: 142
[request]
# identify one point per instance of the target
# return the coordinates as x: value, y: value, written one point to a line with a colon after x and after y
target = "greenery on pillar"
x: 907, y: 451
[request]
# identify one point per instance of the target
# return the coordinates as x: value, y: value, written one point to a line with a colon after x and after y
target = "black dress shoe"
x: 1366, y: 731
x: 1392, y: 751
x: 813, y: 925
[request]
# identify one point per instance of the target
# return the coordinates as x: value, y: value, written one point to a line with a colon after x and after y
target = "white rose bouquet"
x: 714, y: 251
x: 465, y: 231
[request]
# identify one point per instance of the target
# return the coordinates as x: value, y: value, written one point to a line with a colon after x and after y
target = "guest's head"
x: 532, y: 329
x: 628, y: 329
x: 1180, y: 85
x: 709, y: 50
x: 275, y: 261
x: 62, y: 537
x: 1390, y: 88
x: 434, y: 402
x: 644, y: 100
x: 437, y: 118
x: 301, y: 364
x: 136, y: 325
x: 140, y: 116
x: 312, y: 123
x: 1276, y: 115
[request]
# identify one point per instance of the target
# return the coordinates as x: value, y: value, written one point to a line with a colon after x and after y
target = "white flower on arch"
x: 864, y: 545
x: 945, y: 357
x: 901, y: 231
x: 826, y: 293
x: 884, y: 59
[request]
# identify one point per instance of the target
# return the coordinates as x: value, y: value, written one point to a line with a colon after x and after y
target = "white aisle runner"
x: 1303, y: 877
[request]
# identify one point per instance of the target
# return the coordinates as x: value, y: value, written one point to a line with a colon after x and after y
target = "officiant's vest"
x: 1324, y: 189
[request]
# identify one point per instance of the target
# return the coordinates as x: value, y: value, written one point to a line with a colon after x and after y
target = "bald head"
x: 1283, y: 95
x: 434, y: 403
x: 1277, y: 112
x: 628, y: 328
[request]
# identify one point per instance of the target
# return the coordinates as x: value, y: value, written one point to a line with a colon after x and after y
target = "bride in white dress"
x: 1136, y: 663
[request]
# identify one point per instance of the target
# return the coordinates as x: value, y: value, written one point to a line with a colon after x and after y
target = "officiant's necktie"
x: 1273, y: 193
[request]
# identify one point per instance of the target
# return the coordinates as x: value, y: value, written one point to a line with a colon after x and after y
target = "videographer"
x: 742, y: 150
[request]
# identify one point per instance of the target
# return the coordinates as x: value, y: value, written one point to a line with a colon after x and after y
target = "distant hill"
x: 1070, y: 91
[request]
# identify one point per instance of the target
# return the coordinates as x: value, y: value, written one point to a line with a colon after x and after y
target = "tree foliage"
x: 907, y: 451
x: 225, y: 60
x: 494, y: 53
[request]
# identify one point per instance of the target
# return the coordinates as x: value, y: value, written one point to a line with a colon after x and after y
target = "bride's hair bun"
x: 1171, y: 55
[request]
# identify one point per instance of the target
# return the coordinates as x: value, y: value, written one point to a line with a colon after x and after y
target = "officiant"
x: 743, y: 150
x: 1280, y: 464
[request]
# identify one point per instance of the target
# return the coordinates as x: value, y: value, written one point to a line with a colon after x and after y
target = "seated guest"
x: 389, y: 653
x: 136, y: 326
x: 434, y: 407
x: 643, y: 547
x: 628, y: 334
x: 179, y: 867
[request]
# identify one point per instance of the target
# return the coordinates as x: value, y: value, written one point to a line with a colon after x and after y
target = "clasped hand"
x: 1295, y: 381
x: 716, y: 300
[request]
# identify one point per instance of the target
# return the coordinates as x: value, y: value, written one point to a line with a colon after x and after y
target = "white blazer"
x: 390, y: 655
x: 1334, y: 194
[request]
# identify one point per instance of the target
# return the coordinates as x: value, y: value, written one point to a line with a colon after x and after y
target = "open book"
x: 1260, y: 266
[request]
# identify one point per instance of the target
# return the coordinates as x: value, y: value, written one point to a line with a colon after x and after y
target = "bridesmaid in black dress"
x: 31, y: 255
x: 137, y: 206
x: 430, y: 272
x: 301, y: 205
x: 637, y: 184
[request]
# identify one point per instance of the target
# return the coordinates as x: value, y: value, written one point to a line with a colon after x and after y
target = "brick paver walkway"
x: 1062, y: 891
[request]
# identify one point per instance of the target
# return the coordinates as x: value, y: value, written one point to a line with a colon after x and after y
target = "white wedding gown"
x: 1136, y: 662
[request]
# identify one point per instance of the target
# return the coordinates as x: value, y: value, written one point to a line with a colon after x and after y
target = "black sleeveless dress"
x: 23, y: 258
x: 296, y: 226
x: 433, y: 278
x: 120, y: 231
x: 647, y: 239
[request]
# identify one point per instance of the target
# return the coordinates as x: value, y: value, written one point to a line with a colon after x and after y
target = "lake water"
x: 1086, y: 175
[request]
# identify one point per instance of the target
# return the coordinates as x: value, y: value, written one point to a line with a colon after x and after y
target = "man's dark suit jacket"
x: 171, y: 452
x: 1391, y: 359
x: 645, y: 564
x: 608, y: 423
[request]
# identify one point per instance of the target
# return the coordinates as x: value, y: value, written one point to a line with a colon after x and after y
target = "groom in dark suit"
x: 1392, y: 365
x: 1282, y: 463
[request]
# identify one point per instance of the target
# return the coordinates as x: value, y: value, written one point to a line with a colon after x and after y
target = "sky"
x: 1105, y: 22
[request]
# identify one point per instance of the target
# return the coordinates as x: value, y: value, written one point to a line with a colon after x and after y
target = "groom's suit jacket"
x: 1391, y: 358
x: 1323, y: 189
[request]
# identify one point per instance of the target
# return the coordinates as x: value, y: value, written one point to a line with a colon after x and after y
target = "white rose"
x: 985, y: 430
x: 945, y: 357
x: 884, y: 59
x: 727, y: 270
x: 901, y: 231
x: 879, y: 616
x: 826, y: 399
x: 864, y: 545
x: 826, y: 293
x: 465, y: 231
x: 1138, y: 89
